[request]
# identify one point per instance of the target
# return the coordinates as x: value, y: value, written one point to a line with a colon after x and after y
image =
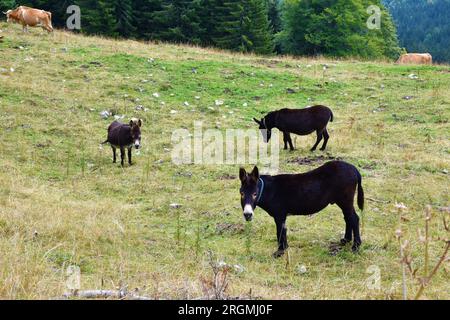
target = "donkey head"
x: 249, y: 191
x: 135, y: 125
x: 265, y: 131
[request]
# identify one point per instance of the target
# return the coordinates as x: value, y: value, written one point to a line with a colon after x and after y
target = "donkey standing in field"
x: 124, y: 136
x: 298, y: 121
x: 304, y: 194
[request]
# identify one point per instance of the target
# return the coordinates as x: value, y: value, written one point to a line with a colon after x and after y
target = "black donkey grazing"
x: 335, y: 182
x: 124, y: 136
x: 298, y: 121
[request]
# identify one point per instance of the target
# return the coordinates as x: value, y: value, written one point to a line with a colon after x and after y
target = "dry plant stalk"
x: 406, y: 259
x: 216, y: 287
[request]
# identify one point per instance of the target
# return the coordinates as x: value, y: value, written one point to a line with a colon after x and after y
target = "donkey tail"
x: 331, y: 116
x: 360, y: 192
x: 105, y: 142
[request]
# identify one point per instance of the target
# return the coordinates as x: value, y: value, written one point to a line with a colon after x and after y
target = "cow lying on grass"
x: 27, y: 16
x: 124, y: 136
x: 298, y: 121
x: 415, y: 58
x: 304, y: 194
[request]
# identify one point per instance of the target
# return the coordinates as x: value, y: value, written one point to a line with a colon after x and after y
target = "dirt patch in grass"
x: 313, y: 160
x: 229, y: 228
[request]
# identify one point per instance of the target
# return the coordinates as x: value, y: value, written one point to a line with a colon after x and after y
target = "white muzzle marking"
x: 248, y: 211
x: 137, y: 144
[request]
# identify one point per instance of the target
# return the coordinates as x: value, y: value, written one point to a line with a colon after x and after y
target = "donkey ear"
x: 255, y: 173
x: 242, y: 174
x: 131, y: 123
x: 257, y: 121
x: 140, y: 122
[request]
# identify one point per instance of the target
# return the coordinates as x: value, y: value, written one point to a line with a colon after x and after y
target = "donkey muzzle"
x: 248, y: 212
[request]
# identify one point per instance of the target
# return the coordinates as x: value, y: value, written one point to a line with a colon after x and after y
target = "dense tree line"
x: 423, y: 26
x: 300, y: 27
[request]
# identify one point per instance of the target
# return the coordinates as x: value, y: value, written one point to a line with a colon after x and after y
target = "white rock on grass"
x: 245, y: 104
x: 105, y: 114
x: 186, y: 104
x: 219, y: 102
x: 156, y: 95
x: 173, y: 111
x: 238, y: 268
x: 175, y: 205
x: 301, y: 269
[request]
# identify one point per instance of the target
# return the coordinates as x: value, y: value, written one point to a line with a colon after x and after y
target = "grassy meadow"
x: 63, y: 202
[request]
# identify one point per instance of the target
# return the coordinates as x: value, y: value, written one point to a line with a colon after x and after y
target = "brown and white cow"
x: 27, y: 16
x: 415, y: 58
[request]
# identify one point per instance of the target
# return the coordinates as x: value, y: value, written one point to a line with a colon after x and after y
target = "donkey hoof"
x: 355, y: 248
x: 344, y: 241
x: 278, y: 254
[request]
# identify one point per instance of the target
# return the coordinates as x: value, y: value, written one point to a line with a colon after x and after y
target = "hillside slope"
x: 63, y: 202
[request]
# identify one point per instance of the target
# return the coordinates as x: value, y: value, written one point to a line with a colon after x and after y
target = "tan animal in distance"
x: 27, y: 16
x: 415, y: 58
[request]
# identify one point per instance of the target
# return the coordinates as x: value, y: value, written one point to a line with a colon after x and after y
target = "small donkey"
x: 298, y: 121
x: 304, y: 194
x: 124, y: 136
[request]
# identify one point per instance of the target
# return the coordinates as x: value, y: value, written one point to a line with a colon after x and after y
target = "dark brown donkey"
x: 298, y: 121
x: 304, y: 194
x: 124, y: 136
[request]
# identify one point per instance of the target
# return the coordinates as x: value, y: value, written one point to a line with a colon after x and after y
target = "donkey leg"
x: 285, y: 140
x: 290, y: 142
x: 129, y: 157
x: 114, y: 154
x: 348, y: 231
x: 326, y: 136
x: 281, y: 237
x: 356, y: 235
x: 122, y: 155
x: 319, y: 138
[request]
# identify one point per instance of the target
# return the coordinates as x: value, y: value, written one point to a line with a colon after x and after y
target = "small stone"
x: 173, y: 111
x: 238, y: 268
x: 219, y: 102
x: 156, y: 95
x: 245, y: 104
x: 105, y: 114
x: 301, y: 269
x: 186, y: 104
x: 290, y: 91
x: 175, y: 205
